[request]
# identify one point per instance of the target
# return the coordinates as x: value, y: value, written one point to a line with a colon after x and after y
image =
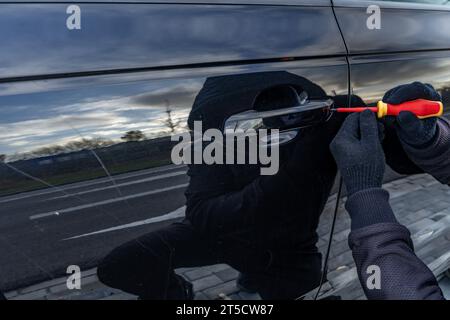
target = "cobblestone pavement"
x: 420, y: 202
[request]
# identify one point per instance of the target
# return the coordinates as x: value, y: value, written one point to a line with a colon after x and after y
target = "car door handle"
x: 253, y: 119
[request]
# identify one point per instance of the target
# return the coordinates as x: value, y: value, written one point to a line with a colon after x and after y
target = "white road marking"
x: 178, y: 213
x: 75, y: 185
x: 104, y: 202
x: 123, y: 184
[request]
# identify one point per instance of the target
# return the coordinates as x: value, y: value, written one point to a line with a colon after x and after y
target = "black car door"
x: 87, y: 111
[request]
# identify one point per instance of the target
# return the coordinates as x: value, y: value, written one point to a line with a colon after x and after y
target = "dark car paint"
x: 413, y: 44
x: 402, y: 29
x: 93, y: 89
x: 135, y: 36
x: 83, y: 104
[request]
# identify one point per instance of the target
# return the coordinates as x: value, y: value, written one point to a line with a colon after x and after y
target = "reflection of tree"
x: 170, y: 123
x: 87, y: 144
x: 71, y: 146
x: 133, y: 135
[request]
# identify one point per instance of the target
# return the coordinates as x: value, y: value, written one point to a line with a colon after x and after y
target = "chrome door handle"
x: 253, y: 119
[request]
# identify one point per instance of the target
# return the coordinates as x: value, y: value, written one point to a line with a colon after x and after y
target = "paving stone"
x: 338, y: 271
x: 235, y: 296
x: 218, y: 267
x: 353, y: 292
x: 339, y: 247
x: 437, y: 216
x: 420, y: 225
x: 403, y: 191
x: 321, y: 243
x: 200, y: 296
x: 197, y: 273
x: 341, y: 224
x: 249, y: 296
x: 344, y: 259
x: 427, y: 260
x: 227, y: 274
x: 206, y: 282
x: 412, y: 217
x: 226, y: 288
x: 324, y: 231
x: 341, y: 236
x: 183, y: 270
x: 435, y: 248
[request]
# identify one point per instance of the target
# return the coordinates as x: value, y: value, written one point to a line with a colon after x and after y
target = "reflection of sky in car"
x: 36, y: 120
x: 112, y: 37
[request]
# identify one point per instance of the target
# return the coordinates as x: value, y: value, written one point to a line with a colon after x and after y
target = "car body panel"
x: 118, y: 37
x: 77, y: 181
x: 413, y: 44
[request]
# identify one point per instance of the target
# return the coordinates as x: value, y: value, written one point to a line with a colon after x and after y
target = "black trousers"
x: 145, y: 266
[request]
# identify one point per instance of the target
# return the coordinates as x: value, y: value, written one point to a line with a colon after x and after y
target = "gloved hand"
x: 427, y: 141
x: 358, y: 152
x: 410, y: 129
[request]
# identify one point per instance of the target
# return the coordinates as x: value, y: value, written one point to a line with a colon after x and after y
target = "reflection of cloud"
x: 369, y: 77
x: 115, y: 39
x: 173, y: 97
x: 100, y: 117
x: 43, y: 127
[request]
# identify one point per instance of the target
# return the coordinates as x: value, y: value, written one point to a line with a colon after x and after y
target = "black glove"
x: 410, y: 129
x: 358, y: 152
x: 427, y: 141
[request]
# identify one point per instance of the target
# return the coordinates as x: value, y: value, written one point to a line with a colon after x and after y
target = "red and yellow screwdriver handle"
x: 421, y: 108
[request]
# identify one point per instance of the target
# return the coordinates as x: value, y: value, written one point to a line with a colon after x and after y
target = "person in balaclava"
x: 263, y: 226
x: 377, y: 238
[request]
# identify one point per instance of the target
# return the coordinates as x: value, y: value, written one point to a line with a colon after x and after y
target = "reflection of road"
x: 44, y: 231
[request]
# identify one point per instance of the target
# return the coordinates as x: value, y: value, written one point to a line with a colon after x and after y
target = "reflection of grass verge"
x: 67, y: 178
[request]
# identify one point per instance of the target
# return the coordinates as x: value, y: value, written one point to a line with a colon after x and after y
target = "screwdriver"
x: 421, y: 108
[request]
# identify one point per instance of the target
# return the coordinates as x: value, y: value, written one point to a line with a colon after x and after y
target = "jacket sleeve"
x: 387, y: 266
x: 435, y: 158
